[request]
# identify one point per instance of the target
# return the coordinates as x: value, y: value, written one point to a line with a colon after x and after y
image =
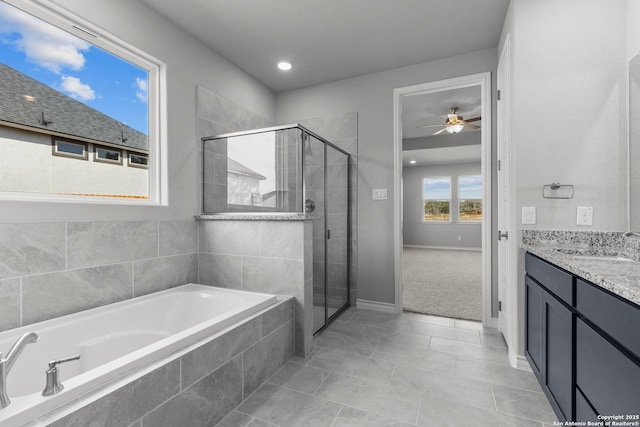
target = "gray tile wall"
x: 201, y: 387
x: 262, y: 256
x: 53, y: 269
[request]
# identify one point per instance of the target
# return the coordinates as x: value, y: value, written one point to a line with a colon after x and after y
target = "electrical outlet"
x: 585, y: 215
x: 459, y: 238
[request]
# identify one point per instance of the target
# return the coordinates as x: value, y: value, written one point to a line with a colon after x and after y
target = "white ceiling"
x: 432, y: 109
x: 330, y: 40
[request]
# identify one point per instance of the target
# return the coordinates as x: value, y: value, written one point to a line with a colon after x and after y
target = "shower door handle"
x: 328, y: 234
x: 501, y: 235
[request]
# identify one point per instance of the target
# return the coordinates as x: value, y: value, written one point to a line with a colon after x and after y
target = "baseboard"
x: 446, y: 248
x: 519, y: 362
x: 492, y: 322
x: 376, y: 306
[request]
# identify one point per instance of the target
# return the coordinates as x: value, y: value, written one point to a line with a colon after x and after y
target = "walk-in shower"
x: 293, y: 171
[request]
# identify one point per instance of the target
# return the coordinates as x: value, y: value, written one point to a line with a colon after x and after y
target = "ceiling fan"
x: 454, y: 123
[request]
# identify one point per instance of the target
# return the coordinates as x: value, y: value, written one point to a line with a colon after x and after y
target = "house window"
x: 436, y: 199
x: 107, y: 155
x: 62, y: 76
x: 138, y: 160
x: 470, y: 198
x: 67, y: 148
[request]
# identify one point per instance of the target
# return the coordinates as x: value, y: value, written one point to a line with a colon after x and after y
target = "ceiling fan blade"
x: 467, y: 125
x: 475, y: 119
x: 429, y: 126
x: 440, y: 131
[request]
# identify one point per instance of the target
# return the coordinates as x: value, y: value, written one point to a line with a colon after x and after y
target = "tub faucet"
x: 6, y: 363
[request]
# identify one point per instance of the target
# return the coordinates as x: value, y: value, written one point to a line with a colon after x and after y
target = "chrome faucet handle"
x: 54, y: 386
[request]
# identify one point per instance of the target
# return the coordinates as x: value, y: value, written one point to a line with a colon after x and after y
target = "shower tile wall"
x: 50, y: 269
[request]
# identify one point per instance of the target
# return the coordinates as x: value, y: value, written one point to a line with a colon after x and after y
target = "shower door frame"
x: 329, y: 319
x: 304, y: 132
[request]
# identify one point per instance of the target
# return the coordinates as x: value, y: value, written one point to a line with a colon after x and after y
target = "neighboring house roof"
x: 64, y: 114
x: 240, y: 169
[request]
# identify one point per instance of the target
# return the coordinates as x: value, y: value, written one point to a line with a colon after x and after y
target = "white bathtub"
x: 115, y: 339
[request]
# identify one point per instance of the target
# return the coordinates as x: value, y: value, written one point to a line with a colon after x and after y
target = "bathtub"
x: 115, y: 340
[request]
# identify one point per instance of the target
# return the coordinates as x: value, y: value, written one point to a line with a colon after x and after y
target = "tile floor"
x: 374, y: 369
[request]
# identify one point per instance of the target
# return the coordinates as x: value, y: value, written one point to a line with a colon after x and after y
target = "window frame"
x: 62, y: 18
x: 57, y: 153
x: 137, y: 165
x: 460, y: 220
x: 98, y: 159
x: 431, y: 221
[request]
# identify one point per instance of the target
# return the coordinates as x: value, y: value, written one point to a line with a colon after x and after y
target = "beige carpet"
x: 442, y: 282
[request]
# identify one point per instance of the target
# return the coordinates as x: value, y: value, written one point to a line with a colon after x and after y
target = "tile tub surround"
x: 375, y: 369
x: 197, y: 386
x: 620, y: 277
x: 263, y: 256
x: 50, y: 269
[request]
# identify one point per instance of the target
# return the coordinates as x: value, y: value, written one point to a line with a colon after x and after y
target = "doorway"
x: 468, y: 162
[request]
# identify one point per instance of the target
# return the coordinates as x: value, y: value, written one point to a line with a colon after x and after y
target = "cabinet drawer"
x: 606, y: 376
x: 617, y: 317
x: 557, y: 281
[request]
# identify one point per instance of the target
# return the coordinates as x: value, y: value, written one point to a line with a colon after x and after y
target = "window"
x: 107, y: 155
x: 138, y: 160
x: 66, y: 81
x: 66, y: 148
x: 470, y: 198
x: 436, y: 198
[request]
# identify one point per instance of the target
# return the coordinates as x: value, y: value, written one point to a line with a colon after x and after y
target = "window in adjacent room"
x: 436, y: 198
x: 470, y: 198
x: 64, y: 80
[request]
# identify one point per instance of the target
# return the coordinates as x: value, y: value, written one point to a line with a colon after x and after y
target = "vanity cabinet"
x: 549, y: 335
x: 582, y: 342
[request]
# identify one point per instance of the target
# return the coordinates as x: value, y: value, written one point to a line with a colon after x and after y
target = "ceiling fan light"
x: 455, y: 128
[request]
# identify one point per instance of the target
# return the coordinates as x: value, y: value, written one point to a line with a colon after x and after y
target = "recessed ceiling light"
x: 284, y: 65
x: 413, y: 162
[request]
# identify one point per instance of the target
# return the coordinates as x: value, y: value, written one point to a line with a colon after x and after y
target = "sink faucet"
x: 6, y: 363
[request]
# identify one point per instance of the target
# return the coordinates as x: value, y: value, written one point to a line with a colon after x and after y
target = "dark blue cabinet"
x: 548, y: 346
x: 582, y: 342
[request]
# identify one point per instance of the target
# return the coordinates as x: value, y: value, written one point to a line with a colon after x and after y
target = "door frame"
x: 484, y: 81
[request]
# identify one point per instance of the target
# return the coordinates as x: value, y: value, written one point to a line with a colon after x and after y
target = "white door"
x: 503, y: 190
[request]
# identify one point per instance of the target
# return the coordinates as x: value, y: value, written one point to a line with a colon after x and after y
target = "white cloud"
x: 42, y: 43
x: 142, y: 89
x: 76, y: 89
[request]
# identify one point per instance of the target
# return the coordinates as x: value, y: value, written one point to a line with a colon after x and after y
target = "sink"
x: 585, y: 255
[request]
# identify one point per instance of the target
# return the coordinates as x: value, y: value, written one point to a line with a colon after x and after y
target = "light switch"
x: 528, y: 215
x: 379, y: 194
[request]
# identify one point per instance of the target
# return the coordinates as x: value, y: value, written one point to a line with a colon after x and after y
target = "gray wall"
x: 372, y: 97
x: 584, y: 76
x: 418, y: 233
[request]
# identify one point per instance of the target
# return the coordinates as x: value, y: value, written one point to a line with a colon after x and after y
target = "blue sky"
x: 74, y: 67
x: 470, y: 187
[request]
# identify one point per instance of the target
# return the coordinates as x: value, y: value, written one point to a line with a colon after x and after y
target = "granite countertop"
x: 618, y: 276
x: 255, y: 217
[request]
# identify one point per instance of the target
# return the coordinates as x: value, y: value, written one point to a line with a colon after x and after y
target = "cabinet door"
x: 608, y: 377
x: 558, y: 354
x: 533, y: 326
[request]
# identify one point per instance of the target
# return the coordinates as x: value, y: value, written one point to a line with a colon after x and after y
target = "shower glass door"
x: 337, y: 237
x: 314, y: 176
